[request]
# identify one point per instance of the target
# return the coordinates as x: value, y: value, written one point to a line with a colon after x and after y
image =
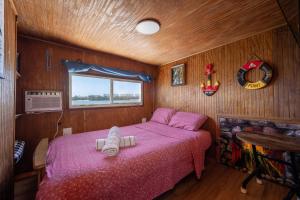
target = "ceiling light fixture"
x: 148, y: 26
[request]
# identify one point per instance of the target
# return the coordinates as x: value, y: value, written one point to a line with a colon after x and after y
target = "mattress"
x: 162, y: 157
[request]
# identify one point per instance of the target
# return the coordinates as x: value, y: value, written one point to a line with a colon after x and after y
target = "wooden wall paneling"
x: 7, y: 104
x: 296, y: 85
x: 35, y: 76
x: 184, y: 23
x: 279, y: 100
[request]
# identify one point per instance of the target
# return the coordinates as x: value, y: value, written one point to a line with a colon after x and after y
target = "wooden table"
x: 273, y: 142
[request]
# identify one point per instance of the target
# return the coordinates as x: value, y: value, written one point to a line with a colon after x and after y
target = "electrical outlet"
x: 67, y: 131
x: 144, y: 120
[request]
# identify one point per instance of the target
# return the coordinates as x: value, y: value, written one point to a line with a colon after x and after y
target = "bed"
x: 162, y: 157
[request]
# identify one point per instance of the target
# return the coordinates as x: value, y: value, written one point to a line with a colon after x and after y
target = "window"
x: 126, y: 92
x: 95, y: 91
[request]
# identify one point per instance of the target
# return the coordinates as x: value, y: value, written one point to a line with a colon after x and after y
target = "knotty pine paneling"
x: 280, y: 100
x: 7, y: 103
x: 35, y: 76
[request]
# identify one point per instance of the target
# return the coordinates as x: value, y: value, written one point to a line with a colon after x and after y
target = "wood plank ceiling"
x: 187, y: 26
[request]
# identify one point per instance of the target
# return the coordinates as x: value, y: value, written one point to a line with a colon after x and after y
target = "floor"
x: 25, y: 186
x: 221, y: 183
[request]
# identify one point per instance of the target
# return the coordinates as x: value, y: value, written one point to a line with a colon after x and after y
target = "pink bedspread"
x: 163, y: 155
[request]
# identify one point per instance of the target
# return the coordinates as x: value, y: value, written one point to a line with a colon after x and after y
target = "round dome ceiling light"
x: 148, y: 26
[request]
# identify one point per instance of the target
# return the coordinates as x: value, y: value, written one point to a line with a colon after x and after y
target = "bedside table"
x: 39, y: 158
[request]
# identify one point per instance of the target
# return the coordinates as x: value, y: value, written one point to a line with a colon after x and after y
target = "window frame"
x: 111, y: 104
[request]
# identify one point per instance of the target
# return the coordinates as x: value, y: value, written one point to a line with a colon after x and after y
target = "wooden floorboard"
x: 219, y: 182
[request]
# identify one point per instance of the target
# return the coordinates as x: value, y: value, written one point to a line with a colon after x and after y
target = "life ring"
x: 254, y: 64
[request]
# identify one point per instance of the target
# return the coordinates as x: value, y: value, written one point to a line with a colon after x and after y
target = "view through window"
x: 94, y: 91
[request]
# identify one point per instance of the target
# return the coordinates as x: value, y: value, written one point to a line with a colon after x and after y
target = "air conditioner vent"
x: 43, y: 101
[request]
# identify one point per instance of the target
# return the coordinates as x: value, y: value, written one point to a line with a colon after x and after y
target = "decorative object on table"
x: 239, y: 155
x: 1, y: 38
x: 251, y: 65
x: 209, y: 89
x: 178, y: 75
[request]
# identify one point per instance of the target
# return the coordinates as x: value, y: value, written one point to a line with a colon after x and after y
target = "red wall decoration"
x: 251, y: 65
x: 209, y: 89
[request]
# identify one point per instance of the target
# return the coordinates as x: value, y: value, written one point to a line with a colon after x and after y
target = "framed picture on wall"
x: 1, y: 38
x: 178, y: 75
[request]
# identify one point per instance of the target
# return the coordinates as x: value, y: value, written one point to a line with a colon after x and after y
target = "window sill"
x: 106, y: 106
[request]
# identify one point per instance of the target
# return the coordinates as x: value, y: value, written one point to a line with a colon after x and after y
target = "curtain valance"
x: 77, y: 66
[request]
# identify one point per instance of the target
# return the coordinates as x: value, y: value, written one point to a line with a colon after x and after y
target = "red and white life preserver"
x: 255, y: 64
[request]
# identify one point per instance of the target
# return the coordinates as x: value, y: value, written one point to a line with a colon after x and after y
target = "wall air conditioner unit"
x: 43, y: 101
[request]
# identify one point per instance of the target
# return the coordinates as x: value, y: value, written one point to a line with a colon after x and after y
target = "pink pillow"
x: 163, y: 115
x: 188, y: 121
